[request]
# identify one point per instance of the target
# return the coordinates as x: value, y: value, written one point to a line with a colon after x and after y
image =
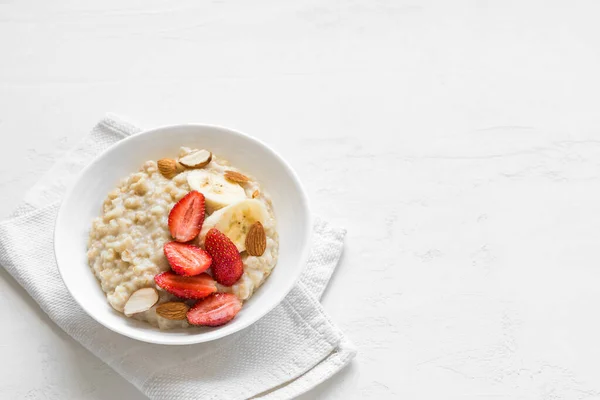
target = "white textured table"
x: 460, y: 146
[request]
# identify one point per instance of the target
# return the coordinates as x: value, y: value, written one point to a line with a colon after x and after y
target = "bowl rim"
x: 221, y: 331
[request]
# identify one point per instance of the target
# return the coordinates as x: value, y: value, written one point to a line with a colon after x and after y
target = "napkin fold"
x: 289, y: 351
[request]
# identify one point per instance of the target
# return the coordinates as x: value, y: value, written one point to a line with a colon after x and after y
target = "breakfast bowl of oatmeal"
x: 182, y: 234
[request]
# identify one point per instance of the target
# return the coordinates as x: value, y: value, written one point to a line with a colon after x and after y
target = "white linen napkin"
x: 287, y: 352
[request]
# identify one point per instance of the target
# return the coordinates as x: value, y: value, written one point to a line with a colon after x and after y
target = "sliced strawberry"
x: 227, y: 266
x: 186, y: 287
x: 186, y: 259
x: 187, y: 216
x: 214, y: 310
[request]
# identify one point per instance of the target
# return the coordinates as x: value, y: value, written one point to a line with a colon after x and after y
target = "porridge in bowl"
x: 183, y: 241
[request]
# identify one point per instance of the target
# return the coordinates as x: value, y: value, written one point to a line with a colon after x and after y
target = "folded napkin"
x: 287, y: 352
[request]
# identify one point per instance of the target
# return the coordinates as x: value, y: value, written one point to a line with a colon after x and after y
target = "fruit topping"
x: 216, y: 309
x: 186, y: 217
x: 227, y: 266
x: 186, y: 287
x: 186, y: 259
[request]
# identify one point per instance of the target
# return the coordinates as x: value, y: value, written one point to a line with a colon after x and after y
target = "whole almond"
x: 169, y: 167
x: 256, y: 240
x: 234, y: 176
x: 173, y: 310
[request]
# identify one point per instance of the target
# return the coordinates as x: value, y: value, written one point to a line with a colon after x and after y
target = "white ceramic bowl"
x: 84, y: 199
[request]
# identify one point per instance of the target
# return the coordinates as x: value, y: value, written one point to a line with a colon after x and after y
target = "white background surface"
x: 458, y: 143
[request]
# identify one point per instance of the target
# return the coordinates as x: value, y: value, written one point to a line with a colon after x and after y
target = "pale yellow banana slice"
x: 217, y: 190
x: 235, y: 220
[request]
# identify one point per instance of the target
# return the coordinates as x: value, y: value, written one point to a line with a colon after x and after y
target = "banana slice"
x: 217, y: 190
x: 235, y: 220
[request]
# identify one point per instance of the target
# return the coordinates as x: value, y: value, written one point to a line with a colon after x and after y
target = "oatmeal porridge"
x: 193, y: 225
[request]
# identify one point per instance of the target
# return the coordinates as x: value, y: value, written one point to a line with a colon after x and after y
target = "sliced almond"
x: 256, y: 240
x: 175, y: 310
x: 196, y: 159
x: 234, y: 176
x: 141, y: 300
x: 255, y: 194
x: 169, y: 167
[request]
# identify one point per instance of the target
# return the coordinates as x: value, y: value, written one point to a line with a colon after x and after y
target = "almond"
x: 175, y: 310
x: 255, y: 194
x: 196, y: 159
x: 256, y: 240
x: 141, y: 300
x: 234, y: 176
x: 169, y: 167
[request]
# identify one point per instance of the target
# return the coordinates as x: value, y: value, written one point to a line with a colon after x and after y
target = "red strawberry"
x: 227, y: 264
x: 186, y: 259
x: 187, y: 216
x: 214, y: 310
x: 186, y: 287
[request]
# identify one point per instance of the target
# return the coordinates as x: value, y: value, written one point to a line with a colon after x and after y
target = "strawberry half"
x: 227, y: 266
x: 214, y: 310
x: 186, y: 287
x: 187, y: 216
x: 186, y: 259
